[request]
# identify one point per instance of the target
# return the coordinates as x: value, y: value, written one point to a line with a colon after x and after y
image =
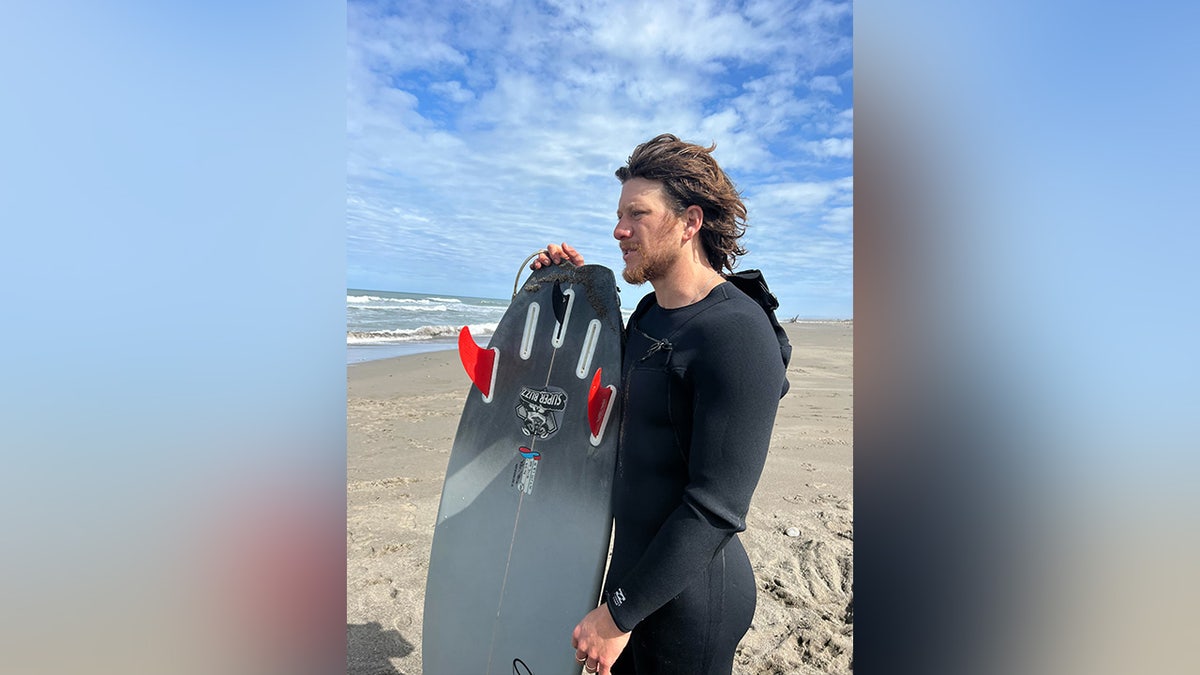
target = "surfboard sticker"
x: 525, y: 473
x: 540, y: 409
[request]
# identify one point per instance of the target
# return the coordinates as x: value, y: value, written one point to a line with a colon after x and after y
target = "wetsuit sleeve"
x: 735, y: 388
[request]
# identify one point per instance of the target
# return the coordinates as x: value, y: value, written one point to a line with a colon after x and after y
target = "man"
x: 702, y: 377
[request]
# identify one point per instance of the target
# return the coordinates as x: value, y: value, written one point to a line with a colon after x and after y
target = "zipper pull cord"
x: 658, y: 345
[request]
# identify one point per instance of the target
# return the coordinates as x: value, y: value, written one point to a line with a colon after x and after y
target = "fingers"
x: 571, y: 254
x: 581, y: 655
x: 592, y: 663
x: 555, y: 254
x: 552, y: 255
x: 592, y: 650
x: 597, y: 666
x: 541, y: 261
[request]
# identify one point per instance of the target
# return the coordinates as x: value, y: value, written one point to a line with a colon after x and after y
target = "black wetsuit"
x: 702, y: 385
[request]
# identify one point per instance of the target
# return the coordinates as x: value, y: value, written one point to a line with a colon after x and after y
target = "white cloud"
x: 843, y: 123
x: 825, y: 83
x: 832, y: 147
x: 491, y: 127
x: 452, y: 90
x: 839, y: 220
x: 395, y: 43
x: 802, y: 196
x: 691, y: 32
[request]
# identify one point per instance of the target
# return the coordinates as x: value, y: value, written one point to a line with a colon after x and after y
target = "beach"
x: 402, y: 414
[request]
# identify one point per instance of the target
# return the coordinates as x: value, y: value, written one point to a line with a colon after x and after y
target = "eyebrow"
x: 629, y: 205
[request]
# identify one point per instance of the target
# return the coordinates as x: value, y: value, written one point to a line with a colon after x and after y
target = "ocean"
x: 383, y: 324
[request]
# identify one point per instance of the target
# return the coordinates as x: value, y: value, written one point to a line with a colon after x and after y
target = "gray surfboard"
x: 523, y: 527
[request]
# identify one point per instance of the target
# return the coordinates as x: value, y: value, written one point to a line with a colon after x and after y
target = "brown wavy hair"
x: 690, y: 175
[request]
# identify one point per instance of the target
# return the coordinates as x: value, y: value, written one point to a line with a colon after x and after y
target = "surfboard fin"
x: 479, y: 363
x: 558, y: 302
x: 599, y: 407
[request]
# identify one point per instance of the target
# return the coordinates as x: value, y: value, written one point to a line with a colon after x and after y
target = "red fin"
x: 479, y: 362
x: 598, y: 400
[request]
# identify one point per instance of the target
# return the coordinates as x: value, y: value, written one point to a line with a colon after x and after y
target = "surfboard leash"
x: 517, y: 281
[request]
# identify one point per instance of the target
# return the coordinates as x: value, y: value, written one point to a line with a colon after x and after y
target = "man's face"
x: 650, y: 234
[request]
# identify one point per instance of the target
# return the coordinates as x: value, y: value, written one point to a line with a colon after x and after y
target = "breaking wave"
x: 416, y: 334
x: 421, y: 302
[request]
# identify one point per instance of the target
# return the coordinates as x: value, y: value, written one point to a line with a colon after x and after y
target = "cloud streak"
x: 477, y: 132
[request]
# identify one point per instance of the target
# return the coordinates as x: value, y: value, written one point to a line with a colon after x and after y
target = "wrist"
x: 612, y: 618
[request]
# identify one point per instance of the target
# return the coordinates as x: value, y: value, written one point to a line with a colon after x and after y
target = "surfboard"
x: 522, y: 532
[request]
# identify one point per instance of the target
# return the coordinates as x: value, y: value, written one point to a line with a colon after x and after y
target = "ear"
x: 693, y: 218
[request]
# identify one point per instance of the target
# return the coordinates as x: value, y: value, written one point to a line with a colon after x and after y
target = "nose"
x: 622, y: 231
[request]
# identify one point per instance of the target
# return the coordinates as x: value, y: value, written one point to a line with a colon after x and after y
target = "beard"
x: 654, y: 262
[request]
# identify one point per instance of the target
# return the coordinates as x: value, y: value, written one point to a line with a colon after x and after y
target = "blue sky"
x: 479, y: 131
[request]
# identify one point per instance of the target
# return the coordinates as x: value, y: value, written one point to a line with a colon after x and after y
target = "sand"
x: 401, y: 417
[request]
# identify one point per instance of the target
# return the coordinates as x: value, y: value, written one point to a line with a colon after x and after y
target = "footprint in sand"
x: 777, y: 588
x: 832, y: 500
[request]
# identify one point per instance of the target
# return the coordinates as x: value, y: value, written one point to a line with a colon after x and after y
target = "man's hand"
x: 555, y: 254
x: 598, y: 641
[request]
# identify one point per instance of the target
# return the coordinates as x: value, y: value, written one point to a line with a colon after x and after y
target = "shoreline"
x: 382, y: 351
x: 362, y: 353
